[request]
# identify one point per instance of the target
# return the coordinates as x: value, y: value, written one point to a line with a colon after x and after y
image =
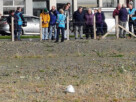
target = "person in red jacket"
x: 116, y: 11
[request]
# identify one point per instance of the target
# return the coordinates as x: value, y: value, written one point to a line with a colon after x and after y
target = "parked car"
x: 32, y: 27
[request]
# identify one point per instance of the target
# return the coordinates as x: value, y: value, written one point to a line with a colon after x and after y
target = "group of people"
x: 18, y: 22
x: 57, y: 21
x: 123, y: 14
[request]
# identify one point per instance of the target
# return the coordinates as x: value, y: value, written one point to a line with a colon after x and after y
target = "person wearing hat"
x: 45, y: 23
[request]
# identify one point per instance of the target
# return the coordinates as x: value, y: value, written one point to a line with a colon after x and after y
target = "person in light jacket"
x: 132, y: 19
x: 60, y: 25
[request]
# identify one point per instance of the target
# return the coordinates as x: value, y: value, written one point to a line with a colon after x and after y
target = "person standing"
x: 53, y: 18
x: 78, y: 18
x: 100, y: 19
x: 123, y: 14
x: 45, y: 23
x: 66, y: 13
x: 12, y: 14
x: 60, y: 25
x: 132, y: 19
x: 116, y: 11
x: 18, y: 24
x: 89, y: 17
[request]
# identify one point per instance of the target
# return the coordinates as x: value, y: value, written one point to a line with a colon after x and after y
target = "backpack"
x: 20, y: 22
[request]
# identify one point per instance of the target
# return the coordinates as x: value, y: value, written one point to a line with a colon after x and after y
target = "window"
x: 12, y: 5
x: 7, y: 2
x: 88, y: 3
x: 110, y: 3
x: 18, y: 2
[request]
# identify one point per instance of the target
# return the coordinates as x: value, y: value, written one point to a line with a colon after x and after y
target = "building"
x: 34, y: 7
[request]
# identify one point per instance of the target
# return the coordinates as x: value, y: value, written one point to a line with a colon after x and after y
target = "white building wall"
x: 29, y: 7
x: 1, y: 7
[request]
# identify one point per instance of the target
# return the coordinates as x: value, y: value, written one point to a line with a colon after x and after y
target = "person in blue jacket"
x: 132, y: 18
x: 60, y: 25
x: 18, y: 25
x: 53, y: 18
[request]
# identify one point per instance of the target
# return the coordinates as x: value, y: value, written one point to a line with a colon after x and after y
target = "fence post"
x: 12, y: 29
x: 40, y: 28
x: 117, y: 27
x: 94, y: 27
x: 67, y: 31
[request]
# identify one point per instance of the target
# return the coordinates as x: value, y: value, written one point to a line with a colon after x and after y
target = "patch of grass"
x: 41, y: 70
x: 52, y: 55
x: 117, y: 55
x: 23, y: 37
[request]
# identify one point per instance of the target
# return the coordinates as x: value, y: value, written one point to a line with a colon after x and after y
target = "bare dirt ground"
x: 100, y: 71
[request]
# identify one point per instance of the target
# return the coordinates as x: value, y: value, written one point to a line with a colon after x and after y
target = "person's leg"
x: 50, y: 32
x: 65, y: 34
x: 98, y: 30
x: 81, y: 32
x: 87, y: 31
x: 46, y: 34
x: 43, y: 32
x: 19, y: 32
x: 124, y: 32
x: 130, y: 27
x: 76, y: 32
x: 62, y: 37
x: 92, y: 31
x: 101, y: 29
x: 134, y: 27
x: 55, y: 32
x: 58, y: 33
x: 15, y: 33
x: 120, y: 30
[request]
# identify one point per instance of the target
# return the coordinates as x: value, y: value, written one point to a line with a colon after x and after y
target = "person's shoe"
x: 56, y: 42
x: 65, y: 39
x: 129, y: 37
x: 16, y: 39
x: 62, y: 41
x: 81, y: 38
x: 19, y: 40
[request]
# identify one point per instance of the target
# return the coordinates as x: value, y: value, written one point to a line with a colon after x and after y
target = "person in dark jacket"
x: 18, y: 25
x: 11, y: 14
x: 53, y: 18
x: 79, y: 20
x: 123, y: 14
x: 116, y: 11
x: 89, y: 17
x: 100, y: 19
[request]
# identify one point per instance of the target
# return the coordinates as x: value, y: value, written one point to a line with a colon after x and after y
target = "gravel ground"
x: 99, y: 70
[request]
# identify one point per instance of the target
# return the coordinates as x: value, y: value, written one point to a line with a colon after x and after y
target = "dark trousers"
x: 89, y: 31
x: 132, y: 24
x: 99, y: 27
x: 58, y: 33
